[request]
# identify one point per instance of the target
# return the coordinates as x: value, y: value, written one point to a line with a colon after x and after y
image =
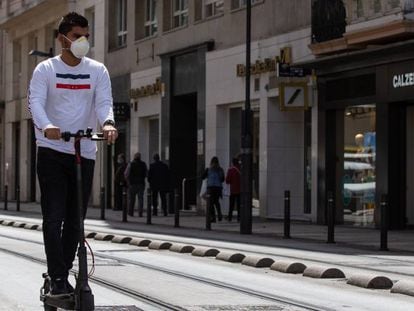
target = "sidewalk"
x: 265, y: 232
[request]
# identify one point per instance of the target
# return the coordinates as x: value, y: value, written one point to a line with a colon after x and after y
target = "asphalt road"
x: 183, y: 280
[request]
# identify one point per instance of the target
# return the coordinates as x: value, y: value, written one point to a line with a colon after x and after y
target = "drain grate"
x: 244, y: 308
x: 118, y: 308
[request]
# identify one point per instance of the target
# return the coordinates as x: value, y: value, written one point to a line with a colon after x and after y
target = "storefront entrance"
x: 366, y: 136
x: 358, y: 174
x: 410, y: 166
x: 183, y: 150
x: 235, y: 126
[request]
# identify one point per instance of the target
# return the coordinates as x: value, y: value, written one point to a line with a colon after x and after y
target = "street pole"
x: 246, y: 144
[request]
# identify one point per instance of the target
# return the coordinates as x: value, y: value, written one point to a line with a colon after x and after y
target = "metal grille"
x: 281, y: 307
x: 118, y: 308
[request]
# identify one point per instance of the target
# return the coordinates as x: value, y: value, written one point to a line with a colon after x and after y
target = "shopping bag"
x: 203, y: 190
x: 224, y: 200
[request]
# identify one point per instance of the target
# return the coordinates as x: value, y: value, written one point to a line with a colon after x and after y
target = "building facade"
x: 365, y: 110
x: 178, y: 89
x: 187, y: 94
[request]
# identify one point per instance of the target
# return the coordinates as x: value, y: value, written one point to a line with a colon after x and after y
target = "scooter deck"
x: 65, y: 302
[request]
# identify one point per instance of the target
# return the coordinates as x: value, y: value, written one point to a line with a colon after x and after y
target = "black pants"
x: 234, y: 200
x: 57, y: 178
x: 118, y: 196
x: 215, y: 195
x: 133, y: 191
x: 163, y: 196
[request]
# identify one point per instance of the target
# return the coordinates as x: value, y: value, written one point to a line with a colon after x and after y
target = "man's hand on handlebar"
x: 52, y: 132
x: 110, y: 133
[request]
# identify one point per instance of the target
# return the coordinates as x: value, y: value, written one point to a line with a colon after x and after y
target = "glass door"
x: 358, y: 180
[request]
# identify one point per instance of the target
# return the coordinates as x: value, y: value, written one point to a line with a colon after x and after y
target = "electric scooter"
x: 82, y: 299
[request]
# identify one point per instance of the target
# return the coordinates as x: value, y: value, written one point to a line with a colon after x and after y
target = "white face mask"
x: 79, y: 47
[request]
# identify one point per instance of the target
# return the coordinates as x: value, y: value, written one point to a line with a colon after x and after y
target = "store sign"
x: 293, y: 96
x: 147, y: 90
x: 403, y: 80
x: 259, y: 67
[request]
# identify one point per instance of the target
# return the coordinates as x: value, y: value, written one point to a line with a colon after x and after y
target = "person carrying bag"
x: 215, y: 178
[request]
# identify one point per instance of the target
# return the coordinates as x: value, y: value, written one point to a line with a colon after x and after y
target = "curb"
x: 404, y: 288
x: 139, y: 242
x: 159, y: 245
x: 230, y: 257
x: 103, y: 237
x: 121, y: 239
x: 288, y: 267
x: 31, y: 226
x: 257, y: 262
x: 19, y: 224
x: 205, y: 252
x: 7, y: 223
x: 370, y: 281
x: 90, y: 235
x: 181, y: 248
x: 319, y: 272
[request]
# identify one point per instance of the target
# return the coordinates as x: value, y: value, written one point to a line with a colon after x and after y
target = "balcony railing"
x: 331, y: 17
x: 328, y: 20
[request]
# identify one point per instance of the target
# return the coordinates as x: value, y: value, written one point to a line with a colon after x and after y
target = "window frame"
x: 242, y: 4
x: 205, y: 3
x: 150, y: 22
x: 90, y: 15
x: 121, y: 23
x: 179, y: 13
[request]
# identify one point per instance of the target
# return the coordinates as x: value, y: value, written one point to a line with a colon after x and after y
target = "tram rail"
x: 271, y: 298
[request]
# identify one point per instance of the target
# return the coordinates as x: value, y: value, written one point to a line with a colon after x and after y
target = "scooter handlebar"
x: 66, y: 136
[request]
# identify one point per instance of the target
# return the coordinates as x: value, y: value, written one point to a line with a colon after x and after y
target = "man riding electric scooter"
x: 67, y: 93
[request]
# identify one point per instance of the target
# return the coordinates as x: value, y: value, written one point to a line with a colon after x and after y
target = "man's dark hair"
x: 70, y: 20
x: 235, y: 161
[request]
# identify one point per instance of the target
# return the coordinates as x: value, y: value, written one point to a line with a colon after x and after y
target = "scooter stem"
x: 84, y: 300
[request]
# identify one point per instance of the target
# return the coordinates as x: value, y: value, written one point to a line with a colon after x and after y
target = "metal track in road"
x: 115, y: 287
x: 240, y: 289
x: 211, y: 282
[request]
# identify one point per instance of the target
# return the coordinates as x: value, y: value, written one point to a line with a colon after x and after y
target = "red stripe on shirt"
x: 73, y: 86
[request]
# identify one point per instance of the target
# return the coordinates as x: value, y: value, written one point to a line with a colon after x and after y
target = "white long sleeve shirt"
x: 72, y: 98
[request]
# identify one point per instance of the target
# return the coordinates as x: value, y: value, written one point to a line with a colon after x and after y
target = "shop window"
x: 358, y: 179
x: 208, y: 8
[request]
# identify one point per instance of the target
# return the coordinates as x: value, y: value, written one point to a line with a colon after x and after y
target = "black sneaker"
x: 58, y: 287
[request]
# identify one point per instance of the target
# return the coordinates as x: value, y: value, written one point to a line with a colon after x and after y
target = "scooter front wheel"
x: 49, y: 308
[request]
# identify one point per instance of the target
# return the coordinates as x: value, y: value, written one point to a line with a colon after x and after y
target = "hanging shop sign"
x: 259, y: 67
x: 293, y: 96
x: 147, y: 90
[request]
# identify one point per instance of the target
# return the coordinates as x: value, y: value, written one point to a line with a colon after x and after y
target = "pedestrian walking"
x: 119, y: 180
x: 68, y: 92
x: 215, y: 179
x: 159, y: 180
x: 135, y: 175
x: 233, y: 179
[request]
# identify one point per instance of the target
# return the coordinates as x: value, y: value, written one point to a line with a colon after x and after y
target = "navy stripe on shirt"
x: 71, y: 76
